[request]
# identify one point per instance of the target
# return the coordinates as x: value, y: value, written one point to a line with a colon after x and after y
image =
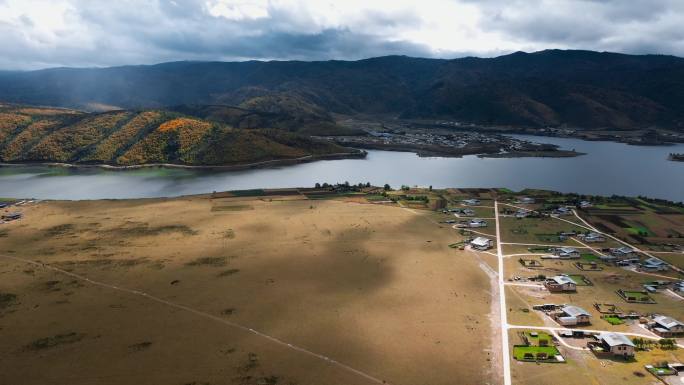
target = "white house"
x: 471, y: 202
x: 560, y: 283
x: 481, y: 243
x: 573, y: 315
x: 526, y: 200
x: 585, y: 204
x: 567, y: 253
x: 667, y: 327
x: 616, y: 343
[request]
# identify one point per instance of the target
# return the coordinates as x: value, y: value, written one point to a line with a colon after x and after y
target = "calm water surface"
x: 608, y: 168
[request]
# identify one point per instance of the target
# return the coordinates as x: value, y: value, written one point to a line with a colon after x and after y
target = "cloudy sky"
x: 48, y: 33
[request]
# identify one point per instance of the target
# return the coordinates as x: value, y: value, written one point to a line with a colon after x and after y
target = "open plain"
x: 203, y: 290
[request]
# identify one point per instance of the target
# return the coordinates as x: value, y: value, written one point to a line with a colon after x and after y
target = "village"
x: 446, y: 142
x: 568, y: 276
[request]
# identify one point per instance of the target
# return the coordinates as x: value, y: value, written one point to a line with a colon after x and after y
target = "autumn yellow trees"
x: 130, y: 138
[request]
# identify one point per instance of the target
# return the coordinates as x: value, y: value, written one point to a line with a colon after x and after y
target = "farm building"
x: 471, y: 202
x: 562, y: 211
x: 467, y: 213
x: 522, y: 213
x: 573, y: 315
x: 11, y: 216
x: 477, y: 223
x: 560, y: 283
x: 567, y: 253
x: 654, y: 264
x: 623, y: 252
x: 481, y: 243
x: 592, y: 237
x: 667, y: 327
x: 614, y: 344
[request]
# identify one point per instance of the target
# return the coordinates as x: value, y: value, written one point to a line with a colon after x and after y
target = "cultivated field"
x: 240, y: 291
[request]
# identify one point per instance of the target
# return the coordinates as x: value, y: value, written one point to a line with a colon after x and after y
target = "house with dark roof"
x: 591, y: 237
x: 654, y: 264
x: 566, y: 253
x: 667, y: 327
x: 623, y: 252
x: 12, y: 216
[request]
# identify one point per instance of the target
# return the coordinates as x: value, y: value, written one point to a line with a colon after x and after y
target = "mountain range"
x: 581, y: 89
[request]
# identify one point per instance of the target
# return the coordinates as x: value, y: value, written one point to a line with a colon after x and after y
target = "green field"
x: 520, y: 351
x: 613, y: 320
x: 589, y: 257
x: 376, y: 198
x: 548, y: 238
x: 542, y: 339
x: 639, y: 230
x: 579, y: 279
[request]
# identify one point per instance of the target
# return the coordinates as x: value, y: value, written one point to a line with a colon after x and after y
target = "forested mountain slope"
x: 30, y: 134
x: 578, y: 88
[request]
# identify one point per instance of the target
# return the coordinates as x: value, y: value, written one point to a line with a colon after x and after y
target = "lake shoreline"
x: 606, y: 169
x: 432, y: 152
x: 361, y: 154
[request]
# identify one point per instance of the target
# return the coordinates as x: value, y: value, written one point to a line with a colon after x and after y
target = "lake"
x: 608, y: 168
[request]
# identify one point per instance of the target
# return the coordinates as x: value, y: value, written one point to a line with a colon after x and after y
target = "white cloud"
x: 238, y: 10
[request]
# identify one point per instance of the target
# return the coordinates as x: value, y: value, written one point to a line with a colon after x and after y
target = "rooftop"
x: 563, y: 279
x: 654, y: 262
x: 574, y: 311
x: 615, y: 339
x: 667, y: 322
x: 480, y: 241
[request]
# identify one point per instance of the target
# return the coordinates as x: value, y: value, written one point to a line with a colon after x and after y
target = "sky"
x: 93, y: 33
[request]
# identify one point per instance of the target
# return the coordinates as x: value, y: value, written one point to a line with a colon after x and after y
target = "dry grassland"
x: 371, y: 287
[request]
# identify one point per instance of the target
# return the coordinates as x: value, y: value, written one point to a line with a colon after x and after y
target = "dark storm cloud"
x: 99, y: 33
x: 635, y: 26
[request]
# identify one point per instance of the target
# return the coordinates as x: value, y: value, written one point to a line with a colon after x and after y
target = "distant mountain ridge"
x: 582, y: 89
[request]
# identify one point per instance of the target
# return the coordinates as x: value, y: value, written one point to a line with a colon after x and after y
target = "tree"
x: 430, y: 188
x: 368, y: 184
x: 318, y: 185
x: 387, y: 187
x: 667, y: 343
